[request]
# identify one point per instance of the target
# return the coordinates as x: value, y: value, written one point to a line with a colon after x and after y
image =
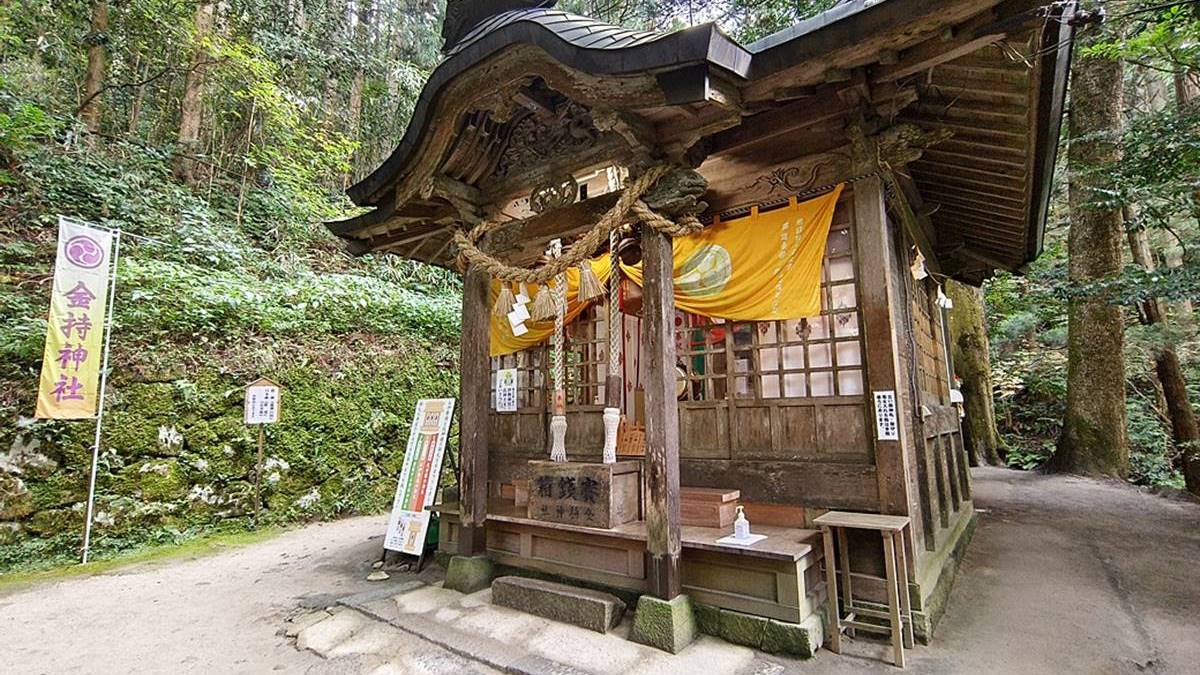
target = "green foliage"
x: 220, y: 282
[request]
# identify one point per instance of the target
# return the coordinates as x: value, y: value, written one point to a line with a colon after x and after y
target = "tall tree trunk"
x: 361, y: 39
x: 135, y: 106
x: 93, y: 83
x: 192, y: 108
x: 1094, y: 439
x: 1184, y: 428
x: 972, y: 365
x: 1187, y: 89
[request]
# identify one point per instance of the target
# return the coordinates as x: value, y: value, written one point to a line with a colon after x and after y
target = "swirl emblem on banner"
x: 83, y: 251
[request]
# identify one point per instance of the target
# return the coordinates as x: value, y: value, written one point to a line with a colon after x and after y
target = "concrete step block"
x: 585, y: 608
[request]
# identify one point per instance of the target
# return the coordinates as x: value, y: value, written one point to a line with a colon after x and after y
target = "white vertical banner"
x: 420, y: 475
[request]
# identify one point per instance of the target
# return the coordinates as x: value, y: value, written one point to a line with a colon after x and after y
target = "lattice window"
x: 794, y: 358
x: 586, y: 354
x: 532, y: 376
x: 700, y: 350
x: 927, y: 333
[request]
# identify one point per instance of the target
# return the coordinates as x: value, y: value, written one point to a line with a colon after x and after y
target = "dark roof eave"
x: 1052, y: 99
x: 699, y: 44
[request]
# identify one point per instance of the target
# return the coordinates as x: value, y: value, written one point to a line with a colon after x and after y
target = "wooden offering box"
x: 708, y: 507
x: 587, y: 494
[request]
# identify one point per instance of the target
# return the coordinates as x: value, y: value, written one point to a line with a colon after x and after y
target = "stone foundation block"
x: 585, y: 608
x: 742, y: 629
x: 794, y: 639
x: 669, y: 625
x: 468, y: 574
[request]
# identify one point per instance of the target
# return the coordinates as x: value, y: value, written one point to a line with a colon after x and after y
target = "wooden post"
x: 474, y: 392
x: 662, y: 416
x: 881, y: 308
x: 258, y: 474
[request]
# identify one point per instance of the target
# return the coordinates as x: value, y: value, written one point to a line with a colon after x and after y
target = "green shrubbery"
x: 213, y: 292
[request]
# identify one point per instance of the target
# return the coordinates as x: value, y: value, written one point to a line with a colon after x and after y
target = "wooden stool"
x: 899, y: 613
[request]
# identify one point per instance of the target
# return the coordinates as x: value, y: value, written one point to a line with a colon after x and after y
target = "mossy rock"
x: 15, y: 500
x: 54, y: 521
x: 792, y: 639
x: 154, y: 480
x: 669, y: 625
x: 133, y: 426
x: 58, y: 490
x: 11, y: 533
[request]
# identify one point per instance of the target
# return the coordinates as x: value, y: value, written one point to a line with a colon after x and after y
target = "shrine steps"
x: 593, y: 610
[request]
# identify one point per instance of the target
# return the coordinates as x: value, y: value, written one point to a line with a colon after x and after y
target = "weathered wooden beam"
x: 903, y: 196
x: 361, y: 246
x: 882, y: 302
x: 933, y: 53
x: 803, y: 114
x: 663, y: 542
x: 783, y: 120
x: 474, y: 394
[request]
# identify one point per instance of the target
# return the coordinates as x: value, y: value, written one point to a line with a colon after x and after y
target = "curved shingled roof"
x: 580, y: 31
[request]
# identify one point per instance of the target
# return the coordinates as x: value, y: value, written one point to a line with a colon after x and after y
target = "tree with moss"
x: 1094, y: 438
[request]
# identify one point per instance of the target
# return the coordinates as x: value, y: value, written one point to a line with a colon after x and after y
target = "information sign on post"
x: 261, y: 408
x: 419, y: 476
x: 262, y: 402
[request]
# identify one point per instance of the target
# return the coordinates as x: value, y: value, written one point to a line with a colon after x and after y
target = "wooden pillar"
x: 662, y: 416
x: 882, y: 331
x: 474, y: 394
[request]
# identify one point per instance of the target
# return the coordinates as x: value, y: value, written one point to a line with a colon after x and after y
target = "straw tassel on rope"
x: 590, y: 287
x: 542, y: 307
x: 504, y: 301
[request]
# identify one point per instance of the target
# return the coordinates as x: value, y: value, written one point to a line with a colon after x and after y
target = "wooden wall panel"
x: 752, y: 430
x: 844, y: 433
x: 841, y: 485
x: 703, y: 431
x: 797, y: 432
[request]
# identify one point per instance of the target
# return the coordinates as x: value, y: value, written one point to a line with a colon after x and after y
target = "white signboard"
x: 419, y: 477
x: 262, y: 402
x: 506, y: 390
x: 887, y: 426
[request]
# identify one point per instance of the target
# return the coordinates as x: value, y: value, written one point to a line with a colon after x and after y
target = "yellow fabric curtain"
x: 502, y: 339
x: 760, y: 267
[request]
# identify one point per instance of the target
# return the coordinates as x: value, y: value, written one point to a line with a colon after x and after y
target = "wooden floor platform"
x: 777, y: 577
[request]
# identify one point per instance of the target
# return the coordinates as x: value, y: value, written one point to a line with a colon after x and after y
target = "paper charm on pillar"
x: 918, y: 269
x: 519, y: 313
x: 558, y: 421
x: 943, y: 300
x: 612, y: 384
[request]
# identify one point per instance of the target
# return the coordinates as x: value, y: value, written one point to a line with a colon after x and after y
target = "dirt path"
x: 1073, y: 575
x: 1064, y: 575
x: 222, y: 613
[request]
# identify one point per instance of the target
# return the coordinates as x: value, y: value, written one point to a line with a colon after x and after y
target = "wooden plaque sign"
x: 587, y: 494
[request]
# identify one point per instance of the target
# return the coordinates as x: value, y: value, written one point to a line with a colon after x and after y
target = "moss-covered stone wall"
x: 176, y: 460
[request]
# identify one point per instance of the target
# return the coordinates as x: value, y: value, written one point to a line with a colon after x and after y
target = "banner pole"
x: 112, y: 293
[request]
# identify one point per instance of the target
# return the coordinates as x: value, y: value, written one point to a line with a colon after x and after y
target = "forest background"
x: 221, y: 136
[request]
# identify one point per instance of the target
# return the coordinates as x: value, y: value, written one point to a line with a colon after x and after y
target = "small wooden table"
x: 899, y: 613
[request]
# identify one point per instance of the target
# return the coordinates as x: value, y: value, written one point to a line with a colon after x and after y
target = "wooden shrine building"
x: 930, y: 130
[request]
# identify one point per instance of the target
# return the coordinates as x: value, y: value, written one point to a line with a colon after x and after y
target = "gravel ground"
x: 1065, y: 575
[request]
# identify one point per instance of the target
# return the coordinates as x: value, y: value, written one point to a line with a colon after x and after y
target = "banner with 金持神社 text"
x: 69, y: 383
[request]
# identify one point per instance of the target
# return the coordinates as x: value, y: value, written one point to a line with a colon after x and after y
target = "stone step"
x: 581, y: 607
